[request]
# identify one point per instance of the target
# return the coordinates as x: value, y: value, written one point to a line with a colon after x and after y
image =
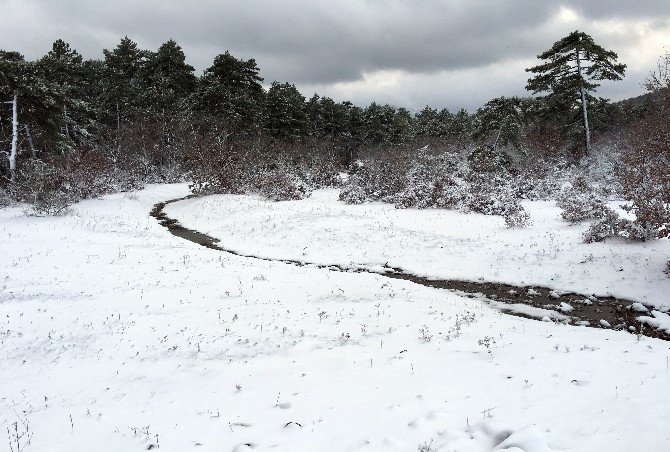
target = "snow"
x: 116, y: 335
x: 435, y: 243
x: 639, y: 307
x: 659, y: 320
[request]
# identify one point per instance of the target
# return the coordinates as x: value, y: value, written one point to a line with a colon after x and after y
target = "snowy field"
x: 116, y: 335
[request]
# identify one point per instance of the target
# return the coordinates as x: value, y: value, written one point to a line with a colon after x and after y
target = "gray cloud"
x: 336, y: 47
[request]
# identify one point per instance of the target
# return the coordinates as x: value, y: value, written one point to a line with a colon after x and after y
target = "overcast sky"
x: 410, y: 53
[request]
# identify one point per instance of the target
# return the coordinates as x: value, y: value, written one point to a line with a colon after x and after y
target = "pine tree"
x: 63, y: 67
x: 570, y: 72
x: 168, y: 78
x: 460, y: 124
x: 231, y: 90
x: 501, y: 121
x: 401, y: 127
x: 169, y: 82
x: 285, y: 111
x: 122, y: 84
x: 427, y: 122
x: 378, y: 123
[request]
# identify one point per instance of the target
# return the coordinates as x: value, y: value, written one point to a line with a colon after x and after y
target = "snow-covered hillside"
x: 116, y: 335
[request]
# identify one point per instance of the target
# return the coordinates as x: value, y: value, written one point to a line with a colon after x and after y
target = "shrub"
x: 374, y: 181
x: 487, y: 159
x: 609, y: 224
x: 430, y: 181
x: 276, y: 183
x: 6, y: 198
x: 578, y: 202
x: 46, y: 188
x: 515, y: 215
x: 645, y: 177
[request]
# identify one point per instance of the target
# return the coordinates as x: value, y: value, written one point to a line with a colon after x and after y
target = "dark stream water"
x: 587, y: 310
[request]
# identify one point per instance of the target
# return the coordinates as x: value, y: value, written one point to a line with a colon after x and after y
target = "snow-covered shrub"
x: 442, y: 181
x: 374, y: 181
x: 278, y: 183
x: 45, y: 188
x: 5, y: 198
x: 487, y: 159
x: 449, y: 192
x: 609, y: 224
x: 495, y: 196
x: 319, y: 173
x: 219, y: 170
x: 431, y: 181
x: 645, y: 178
x: 539, y: 178
x: 515, y: 215
x: 578, y: 202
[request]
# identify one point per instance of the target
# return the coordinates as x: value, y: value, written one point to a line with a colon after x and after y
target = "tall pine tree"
x: 570, y: 72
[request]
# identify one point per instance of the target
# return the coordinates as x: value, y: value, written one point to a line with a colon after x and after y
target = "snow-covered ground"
x: 116, y: 335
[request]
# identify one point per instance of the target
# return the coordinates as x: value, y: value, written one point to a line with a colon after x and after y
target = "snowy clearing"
x: 117, y: 335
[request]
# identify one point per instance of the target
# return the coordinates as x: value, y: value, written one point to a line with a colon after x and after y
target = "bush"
x: 515, y: 215
x: 435, y: 182
x: 645, y: 178
x: 487, y: 159
x: 608, y: 225
x: 243, y: 168
x: 6, y: 198
x: 431, y: 181
x: 46, y: 188
x: 374, y: 181
x: 578, y: 202
x: 278, y: 184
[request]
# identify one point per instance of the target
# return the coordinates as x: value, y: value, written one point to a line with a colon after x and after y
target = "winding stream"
x: 532, y: 302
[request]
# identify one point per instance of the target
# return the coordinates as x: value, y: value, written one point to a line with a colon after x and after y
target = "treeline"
x: 152, y: 103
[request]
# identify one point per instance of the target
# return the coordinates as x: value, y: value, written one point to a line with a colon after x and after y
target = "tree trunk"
x: 118, y: 127
x: 495, y: 143
x: 585, y: 114
x: 67, y: 127
x: 15, y: 137
x: 33, y: 151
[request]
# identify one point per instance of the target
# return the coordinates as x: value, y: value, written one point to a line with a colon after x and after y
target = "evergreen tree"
x: 63, y: 67
x: 169, y: 82
x: 122, y: 84
x: 334, y: 116
x: 316, y: 126
x: 401, y: 127
x: 377, y: 123
x: 285, y: 111
x: 168, y: 78
x: 460, y: 124
x: 231, y: 90
x: 502, y: 121
x: 427, y: 122
x: 570, y: 72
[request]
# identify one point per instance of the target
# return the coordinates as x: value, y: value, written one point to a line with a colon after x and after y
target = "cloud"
x: 400, y: 51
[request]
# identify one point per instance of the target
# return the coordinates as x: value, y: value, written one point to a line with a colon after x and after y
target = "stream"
x: 532, y: 302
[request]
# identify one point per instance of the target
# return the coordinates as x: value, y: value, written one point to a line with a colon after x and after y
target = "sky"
x: 409, y: 53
